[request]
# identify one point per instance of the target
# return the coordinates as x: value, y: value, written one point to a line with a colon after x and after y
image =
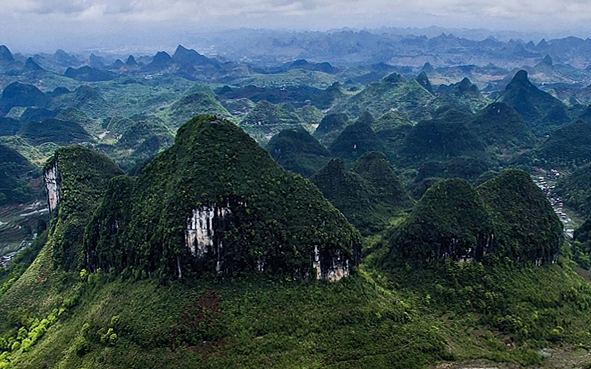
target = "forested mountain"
x: 343, y: 199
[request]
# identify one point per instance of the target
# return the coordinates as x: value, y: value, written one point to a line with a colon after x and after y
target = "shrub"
x: 81, y: 346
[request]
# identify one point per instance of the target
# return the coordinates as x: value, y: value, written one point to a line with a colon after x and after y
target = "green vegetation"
x: 262, y: 217
x: 531, y: 103
x: 392, y: 92
x: 55, y: 131
x: 266, y: 119
x: 438, y: 140
x: 581, y: 247
x: 575, y: 191
x: 526, y: 226
x: 330, y: 127
x: 9, y: 126
x: 356, y: 323
x: 298, y: 151
x: 19, y: 94
x: 211, y: 255
x: 458, y: 167
x: 391, y: 120
x: 82, y: 177
x: 370, y: 196
x: 15, y: 172
x: 139, y: 138
x: 89, y: 74
x: 568, y: 146
x: 450, y: 221
x: 507, y: 216
x: 500, y: 126
x: 191, y: 105
x: 355, y: 140
x: 504, y: 312
x: 463, y: 95
x: 84, y: 98
x: 374, y: 168
x: 310, y: 114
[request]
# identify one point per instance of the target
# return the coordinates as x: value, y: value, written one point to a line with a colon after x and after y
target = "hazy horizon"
x: 146, y: 25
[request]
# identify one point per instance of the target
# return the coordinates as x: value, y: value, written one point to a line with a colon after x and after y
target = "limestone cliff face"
x: 329, y: 267
x: 53, y: 186
x: 204, y: 232
x: 75, y: 180
x: 204, y: 238
x: 216, y: 203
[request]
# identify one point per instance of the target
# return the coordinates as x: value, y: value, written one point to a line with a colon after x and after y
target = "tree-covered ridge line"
x: 259, y: 218
x: 416, y: 241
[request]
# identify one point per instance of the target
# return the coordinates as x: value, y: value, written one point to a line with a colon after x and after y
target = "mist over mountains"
x: 392, y: 198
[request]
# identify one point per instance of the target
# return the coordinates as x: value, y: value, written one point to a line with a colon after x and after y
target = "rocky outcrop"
x: 216, y: 204
x: 332, y: 268
x: 203, y: 235
x: 53, y: 186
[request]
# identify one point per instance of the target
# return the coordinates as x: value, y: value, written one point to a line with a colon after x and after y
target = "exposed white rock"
x: 316, y: 263
x: 339, y: 267
x: 338, y: 270
x: 53, y: 186
x: 200, y: 229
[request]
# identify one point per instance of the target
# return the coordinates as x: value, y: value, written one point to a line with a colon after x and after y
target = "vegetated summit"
x: 507, y: 216
x: 216, y: 202
x: 207, y: 256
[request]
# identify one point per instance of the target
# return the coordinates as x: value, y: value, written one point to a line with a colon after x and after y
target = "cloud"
x: 168, y: 10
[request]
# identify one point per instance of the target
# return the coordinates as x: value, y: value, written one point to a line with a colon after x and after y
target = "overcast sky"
x: 30, y: 25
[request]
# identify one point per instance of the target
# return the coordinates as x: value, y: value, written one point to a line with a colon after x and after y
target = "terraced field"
x: 19, y: 225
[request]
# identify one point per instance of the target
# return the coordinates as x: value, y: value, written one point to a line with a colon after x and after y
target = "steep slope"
x: 9, y: 126
x: 31, y: 65
x: 298, y: 151
x: 57, y: 131
x: 423, y: 80
x: 392, y: 92
x: 85, y: 98
x: 37, y: 114
x: 450, y: 221
x: 575, y: 190
x: 331, y: 96
x: 143, y: 138
x: 526, y: 226
x: 438, y: 140
x: 348, y: 192
x: 76, y: 179
x: 501, y: 126
x: 89, y: 74
x: 369, y: 198
x: 310, y: 115
x: 507, y: 216
x: 390, y: 121
x: 464, y: 167
x: 15, y: 171
x: 191, y: 105
x: 330, y: 126
x: 568, y: 145
x: 530, y: 102
x: 162, y: 60
x: 374, y: 168
x: 132, y: 141
x: 462, y: 95
x: 216, y: 203
x: 266, y: 119
x: 19, y: 94
x: 183, y: 56
x: 355, y: 140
